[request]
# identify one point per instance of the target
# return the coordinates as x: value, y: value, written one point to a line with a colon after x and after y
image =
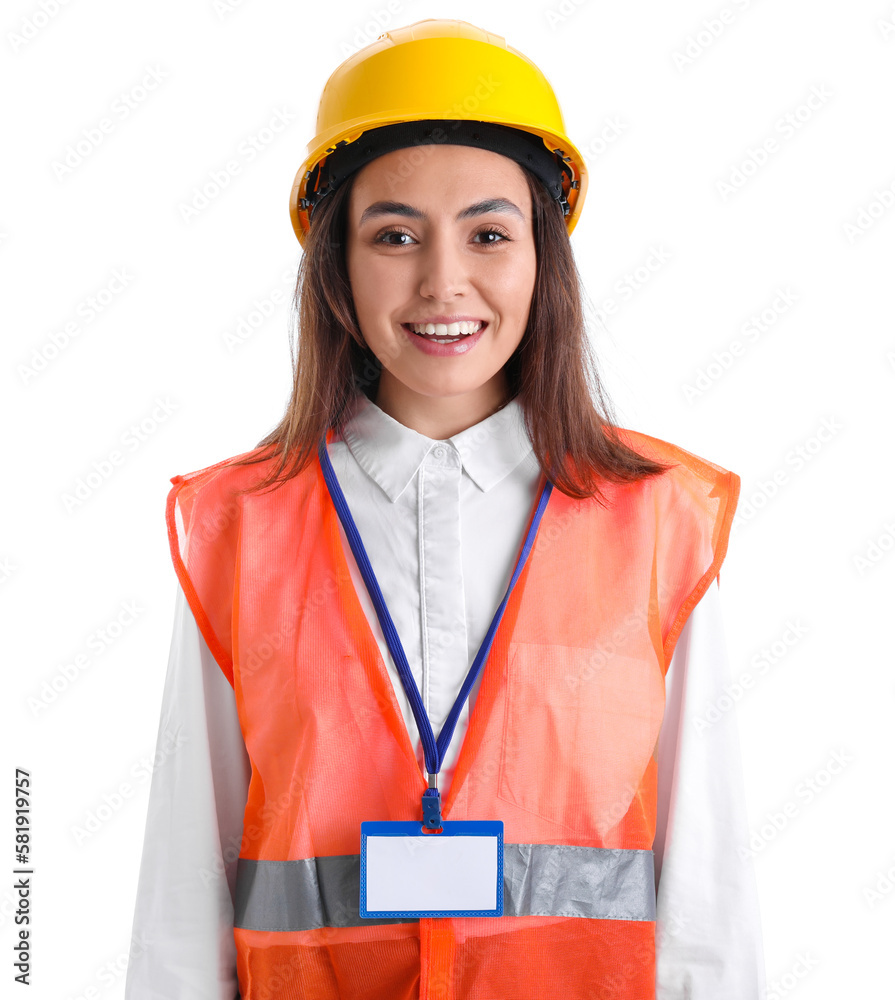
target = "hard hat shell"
x: 437, y: 68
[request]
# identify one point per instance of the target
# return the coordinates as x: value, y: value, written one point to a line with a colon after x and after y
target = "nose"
x: 444, y: 269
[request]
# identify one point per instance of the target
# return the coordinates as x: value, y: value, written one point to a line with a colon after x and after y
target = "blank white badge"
x: 458, y: 872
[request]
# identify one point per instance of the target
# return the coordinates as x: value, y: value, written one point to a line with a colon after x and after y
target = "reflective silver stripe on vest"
x: 548, y: 880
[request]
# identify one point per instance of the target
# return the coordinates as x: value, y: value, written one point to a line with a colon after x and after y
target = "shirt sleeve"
x: 708, y: 924
x: 182, y: 946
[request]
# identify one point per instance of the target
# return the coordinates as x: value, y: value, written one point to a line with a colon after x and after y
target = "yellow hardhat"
x: 449, y: 77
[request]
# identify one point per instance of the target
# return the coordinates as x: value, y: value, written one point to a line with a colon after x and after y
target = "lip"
x: 449, y: 319
x: 462, y: 346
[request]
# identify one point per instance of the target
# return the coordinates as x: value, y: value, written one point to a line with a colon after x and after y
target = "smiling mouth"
x: 445, y: 333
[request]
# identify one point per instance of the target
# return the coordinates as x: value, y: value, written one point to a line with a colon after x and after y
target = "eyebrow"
x: 379, y: 208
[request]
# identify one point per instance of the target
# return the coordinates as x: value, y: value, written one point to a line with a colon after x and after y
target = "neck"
x: 440, y: 417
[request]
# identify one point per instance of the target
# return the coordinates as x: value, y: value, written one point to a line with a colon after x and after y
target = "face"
x: 435, y: 233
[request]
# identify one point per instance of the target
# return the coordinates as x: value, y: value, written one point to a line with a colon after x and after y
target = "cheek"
x: 515, y: 282
x: 362, y: 291
x: 376, y: 287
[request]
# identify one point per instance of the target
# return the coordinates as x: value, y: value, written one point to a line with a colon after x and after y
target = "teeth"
x: 462, y: 329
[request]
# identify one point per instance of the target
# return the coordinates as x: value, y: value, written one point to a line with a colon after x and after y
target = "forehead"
x: 445, y: 174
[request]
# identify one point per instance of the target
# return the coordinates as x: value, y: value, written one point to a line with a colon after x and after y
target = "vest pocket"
x: 580, y: 727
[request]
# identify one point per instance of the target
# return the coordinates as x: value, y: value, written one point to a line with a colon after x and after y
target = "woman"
x: 447, y: 450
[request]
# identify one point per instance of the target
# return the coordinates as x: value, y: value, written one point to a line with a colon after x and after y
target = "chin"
x: 446, y: 390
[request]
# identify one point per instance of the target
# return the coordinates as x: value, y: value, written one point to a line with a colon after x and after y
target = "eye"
x: 381, y: 238
x: 486, y: 231
x: 493, y: 231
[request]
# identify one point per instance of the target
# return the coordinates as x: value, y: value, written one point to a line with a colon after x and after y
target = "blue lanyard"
x: 434, y: 750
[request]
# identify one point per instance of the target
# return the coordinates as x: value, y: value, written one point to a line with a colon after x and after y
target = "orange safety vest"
x: 561, y: 743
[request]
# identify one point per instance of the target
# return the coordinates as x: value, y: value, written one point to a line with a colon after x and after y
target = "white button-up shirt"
x: 442, y: 523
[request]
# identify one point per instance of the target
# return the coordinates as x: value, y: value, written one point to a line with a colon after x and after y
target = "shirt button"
x: 440, y: 451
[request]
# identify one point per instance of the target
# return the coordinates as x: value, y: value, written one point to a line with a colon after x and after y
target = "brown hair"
x: 553, y: 371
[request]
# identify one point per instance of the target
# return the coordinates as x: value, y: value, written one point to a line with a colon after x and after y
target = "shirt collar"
x: 391, y: 453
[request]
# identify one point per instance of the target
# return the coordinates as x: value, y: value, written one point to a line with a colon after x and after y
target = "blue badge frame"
x: 450, y: 828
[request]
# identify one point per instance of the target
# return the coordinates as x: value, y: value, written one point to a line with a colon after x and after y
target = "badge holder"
x: 437, y: 868
x: 407, y: 872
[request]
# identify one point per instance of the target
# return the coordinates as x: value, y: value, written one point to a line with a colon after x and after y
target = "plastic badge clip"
x: 432, y: 804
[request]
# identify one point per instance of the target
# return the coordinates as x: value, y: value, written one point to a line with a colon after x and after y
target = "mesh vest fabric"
x: 561, y: 743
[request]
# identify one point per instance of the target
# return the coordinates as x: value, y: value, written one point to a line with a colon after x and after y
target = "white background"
x: 683, y: 125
